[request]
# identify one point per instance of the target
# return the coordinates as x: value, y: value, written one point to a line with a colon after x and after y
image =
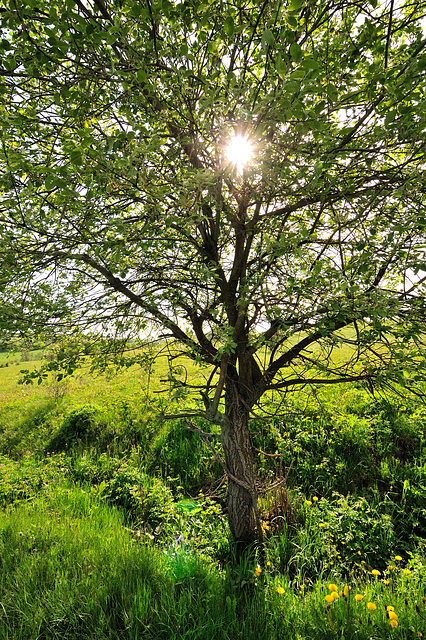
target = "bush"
x: 178, y: 453
x: 79, y: 428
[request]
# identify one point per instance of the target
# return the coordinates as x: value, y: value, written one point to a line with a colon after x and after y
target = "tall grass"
x: 70, y: 569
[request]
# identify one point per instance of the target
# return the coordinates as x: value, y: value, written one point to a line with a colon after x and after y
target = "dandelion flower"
x: 321, y: 524
x: 392, y: 615
x: 315, y: 499
x: 359, y: 596
x: 398, y: 558
x: 393, y: 623
x: 334, y: 595
x: 333, y: 587
x: 329, y: 598
x: 406, y: 572
x: 257, y: 571
x: 376, y: 573
x: 386, y: 582
x: 280, y: 591
x: 371, y: 606
x: 390, y: 608
x: 308, y: 502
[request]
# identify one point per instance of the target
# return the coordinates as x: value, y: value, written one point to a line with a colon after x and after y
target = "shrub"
x: 78, y: 428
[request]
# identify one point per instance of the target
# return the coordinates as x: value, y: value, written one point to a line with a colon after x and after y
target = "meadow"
x: 113, y: 523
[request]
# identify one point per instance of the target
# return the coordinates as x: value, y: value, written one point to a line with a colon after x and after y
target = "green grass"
x: 71, y: 569
x: 97, y: 539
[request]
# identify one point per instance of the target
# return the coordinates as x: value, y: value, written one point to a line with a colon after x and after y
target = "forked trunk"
x: 242, y: 496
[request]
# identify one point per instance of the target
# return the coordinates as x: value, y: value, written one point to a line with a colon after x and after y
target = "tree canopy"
x: 121, y: 209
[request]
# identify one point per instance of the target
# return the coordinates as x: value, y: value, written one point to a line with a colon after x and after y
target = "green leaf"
x: 296, y: 52
x: 76, y: 156
x: 291, y: 86
x: 318, y: 168
x: 296, y: 4
x: 141, y: 75
x: 50, y: 182
x: 310, y: 63
x: 390, y: 116
x: 332, y: 92
x: 296, y: 75
x: 228, y: 26
x: 280, y: 66
x: 268, y: 37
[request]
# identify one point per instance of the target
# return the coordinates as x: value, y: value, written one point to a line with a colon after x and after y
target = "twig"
x: 388, y: 37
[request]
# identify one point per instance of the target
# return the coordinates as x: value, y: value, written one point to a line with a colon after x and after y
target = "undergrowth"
x: 113, y: 521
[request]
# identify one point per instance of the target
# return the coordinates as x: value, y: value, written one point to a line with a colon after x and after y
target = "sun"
x: 239, y: 151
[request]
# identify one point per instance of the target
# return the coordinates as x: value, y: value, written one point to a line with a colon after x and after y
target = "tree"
x: 122, y: 210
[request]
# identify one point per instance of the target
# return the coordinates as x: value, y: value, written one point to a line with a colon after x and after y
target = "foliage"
x: 337, y: 148
x: 21, y: 481
x: 173, y: 444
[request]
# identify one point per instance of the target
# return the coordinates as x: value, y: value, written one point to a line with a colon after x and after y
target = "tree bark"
x: 242, y: 494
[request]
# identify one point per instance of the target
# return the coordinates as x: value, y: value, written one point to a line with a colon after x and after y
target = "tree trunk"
x: 242, y: 496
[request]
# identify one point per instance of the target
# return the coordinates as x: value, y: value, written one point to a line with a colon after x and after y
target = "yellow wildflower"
x: 376, y: 573
x: 398, y: 558
x: 406, y: 572
x: 393, y: 623
x: 386, y: 582
x: 332, y: 587
x: 315, y: 499
x: 280, y: 590
x: 321, y: 524
x: 308, y: 502
x: 257, y: 571
x: 359, y: 596
x: 371, y: 606
x: 390, y: 608
x: 392, y: 615
x: 329, y: 598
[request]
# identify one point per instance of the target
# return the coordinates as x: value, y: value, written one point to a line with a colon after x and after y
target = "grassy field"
x: 112, y: 521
